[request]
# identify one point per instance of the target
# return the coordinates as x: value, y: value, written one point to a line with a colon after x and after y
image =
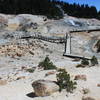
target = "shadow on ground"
x: 31, y: 95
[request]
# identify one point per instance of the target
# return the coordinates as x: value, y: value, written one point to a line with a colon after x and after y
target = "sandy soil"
x: 15, y: 81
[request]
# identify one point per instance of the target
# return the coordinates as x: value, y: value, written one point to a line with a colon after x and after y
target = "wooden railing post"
x: 65, y: 44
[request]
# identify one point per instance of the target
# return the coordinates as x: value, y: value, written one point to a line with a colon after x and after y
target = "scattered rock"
x: 87, y: 98
x: 50, y: 73
x: 14, y: 50
x: 3, y: 82
x: 18, y: 54
x: 23, y: 68
x: 80, y: 77
x: 98, y: 85
x: 76, y: 59
x: 44, y: 87
x: 80, y: 66
x: 31, y: 52
x: 22, y: 77
x: 85, y: 91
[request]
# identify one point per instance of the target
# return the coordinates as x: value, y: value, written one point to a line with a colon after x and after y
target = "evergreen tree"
x: 48, y: 8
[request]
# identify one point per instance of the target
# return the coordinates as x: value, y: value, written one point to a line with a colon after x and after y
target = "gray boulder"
x: 44, y: 87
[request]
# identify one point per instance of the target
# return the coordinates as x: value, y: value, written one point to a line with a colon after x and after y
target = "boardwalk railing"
x: 45, y: 38
x: 87, y: 30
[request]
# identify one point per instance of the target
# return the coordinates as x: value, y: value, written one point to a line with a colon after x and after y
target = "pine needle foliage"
x: 94, y: 61
x: 64, y: 81
x: 46, y: 64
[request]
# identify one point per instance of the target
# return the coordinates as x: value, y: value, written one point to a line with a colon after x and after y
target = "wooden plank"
x: 87, y: 30
x: 76, y: 56
x: 48, y: 39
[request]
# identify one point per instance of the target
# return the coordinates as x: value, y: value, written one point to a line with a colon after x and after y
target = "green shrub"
x: 64, y: 81
x: 31, y: 70
x: 46, y: 64
x: 94, y: 61
x: 85, y: 62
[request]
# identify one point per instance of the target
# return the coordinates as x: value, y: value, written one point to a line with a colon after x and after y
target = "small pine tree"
x: 64, y: 82
x: 85, y: 62
x: 46, y: 64
x: 94, y: 61
x: 30, y: 70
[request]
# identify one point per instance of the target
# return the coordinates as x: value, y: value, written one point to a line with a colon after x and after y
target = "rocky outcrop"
x: 80, y: 77
x: 28, y: 26
x: 14, y: 50
x: 44, y: 87
x: 96, y: 46
x: 22, y: 21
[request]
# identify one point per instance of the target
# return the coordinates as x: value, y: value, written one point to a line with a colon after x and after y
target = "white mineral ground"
x: 13, y: 58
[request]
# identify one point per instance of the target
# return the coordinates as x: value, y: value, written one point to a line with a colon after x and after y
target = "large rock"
x: 44, y: 87
x: 3, y: 82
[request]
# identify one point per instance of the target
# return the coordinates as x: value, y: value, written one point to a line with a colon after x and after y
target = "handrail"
x: 48, y: 39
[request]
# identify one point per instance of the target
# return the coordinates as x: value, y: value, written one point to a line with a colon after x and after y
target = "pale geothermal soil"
x: 18, y: 86
x: 20, y: 89
x: 15, y: 81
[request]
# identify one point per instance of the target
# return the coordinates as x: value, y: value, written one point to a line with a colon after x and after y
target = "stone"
x: 85, y: 91
x: 21, y: 77
x: 80, y: 77
x: 3, y: 82
x: 31, y: 52
x: 98, y: 85
x: 96, y: 46
x: 19, y: 54
x: 76, y: 59
x: 44, y: 87
x: 23, y: 68
x: 87, y: 98
x: 50, y: 73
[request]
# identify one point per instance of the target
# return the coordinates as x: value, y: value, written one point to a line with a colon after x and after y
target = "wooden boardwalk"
x: 87, y: 30
x: 48, y: 39
x: 68, y: 53
x: 76, y: 56
x: 60, y: 40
